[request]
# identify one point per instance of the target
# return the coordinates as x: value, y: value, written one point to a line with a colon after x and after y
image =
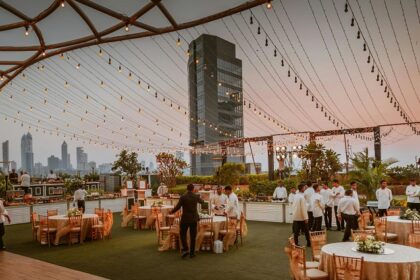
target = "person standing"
x: 317, y: 208
x: 162, y: 190
x: 300, y: 216
x: 290, y: 199
x: 189, y: 219
x: 347, y: 210
x: 338, y: 194
x: 384, y: 197
x: 413, y: 192
x: 219, y: 202
x: 353, y: 187
x: 79, y: 198
x: 25, y: 182
x: 309, y: 192
x: 232, y: 208
x: 3, y: 217
x: 13, y: 177
x: 280, y: 193
x: 328, y: 201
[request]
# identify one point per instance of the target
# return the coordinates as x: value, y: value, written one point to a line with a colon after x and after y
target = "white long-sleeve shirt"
x: 308, y: 193
x: 280, y: 193
x: 232, y: 208
x: 219, y: 200
x: 384, y: 197
x: 300, y: 212
x: 338, y: 194
x: 327, y: 197
x: 80, y: 194
x: 413, y: 193
x: 348, y: 205
x: 317, y: 205
x: 291, y: 197
x: 3, y: 212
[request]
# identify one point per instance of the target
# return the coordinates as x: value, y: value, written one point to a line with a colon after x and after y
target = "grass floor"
x: 133, y: 254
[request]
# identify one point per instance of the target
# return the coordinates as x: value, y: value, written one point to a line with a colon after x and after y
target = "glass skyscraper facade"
x: 215, y: 99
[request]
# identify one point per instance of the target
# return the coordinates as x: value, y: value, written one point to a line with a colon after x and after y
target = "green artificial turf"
x: 133, y: 254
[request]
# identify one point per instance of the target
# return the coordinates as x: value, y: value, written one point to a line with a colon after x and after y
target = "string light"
x: 178, y: 42
x: 269, y: 5
x: 62, y: 4
x: 26, y: 30
x: 126, y: 27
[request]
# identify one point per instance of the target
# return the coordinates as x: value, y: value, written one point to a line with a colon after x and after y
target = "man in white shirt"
x: 300, y: 216
x: 384, y: 197
x: 291, y: 198
x: 25, y: 182
x: 3, y: 217
x: 219, y: 202
x: 327, y: 200
x: 79, y: 198
x: 232, y: 209
x: 413, y: 192
x: 280, y: 193
x: 309, y: 192
x: 317, y: 208
x: 338, y: 194
x: 162, y: 189
x: 347, y: 210
x: 51, y: 176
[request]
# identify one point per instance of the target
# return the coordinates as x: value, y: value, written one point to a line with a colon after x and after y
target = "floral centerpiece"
x: 409, y: 214
x: 157, y: 203
x: 370, y: 245
x: 73, y: 212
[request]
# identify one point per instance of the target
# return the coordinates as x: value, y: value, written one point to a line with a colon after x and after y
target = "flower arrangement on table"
x: 73, y: 212
x: 203, y: 215
x: 157, y: 203
x: 370, y: 245
x: 411, y: 215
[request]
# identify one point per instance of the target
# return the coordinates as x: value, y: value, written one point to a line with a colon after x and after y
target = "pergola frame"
x: 43, y: 50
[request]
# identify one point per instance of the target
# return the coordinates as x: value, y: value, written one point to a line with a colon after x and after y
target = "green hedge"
x: 206, y: 180
x: 263, y: 187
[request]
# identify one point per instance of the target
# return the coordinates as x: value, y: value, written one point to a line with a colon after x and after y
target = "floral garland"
x: 411, y: 215
x: 370, y: 245
x: 73, y: 212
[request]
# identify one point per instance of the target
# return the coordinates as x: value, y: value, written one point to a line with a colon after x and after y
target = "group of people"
x: 24, y: 179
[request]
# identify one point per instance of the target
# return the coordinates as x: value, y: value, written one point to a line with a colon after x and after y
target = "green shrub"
x: 290, y: 183
x: 257, y: 177
x: 244, y: 194
x: 244, y: 180
x: 229, y: 173
x: 263, y: 187
x: 206, y: 180
x: 179, y: 189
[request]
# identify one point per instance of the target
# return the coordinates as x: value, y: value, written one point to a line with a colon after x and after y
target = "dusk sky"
x: 98, y: 106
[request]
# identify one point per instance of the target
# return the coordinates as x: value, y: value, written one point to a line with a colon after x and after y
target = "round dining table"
x: 61, y: 222
x: 146, y: 211
x: 399, y: 226
x: 402, y: 262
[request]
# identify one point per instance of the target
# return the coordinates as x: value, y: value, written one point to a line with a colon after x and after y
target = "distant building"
x: 215, y: 97
x: 105, y: 168
x: 13, y: 165
x: 53, y: 163
x: 40, y: 170
x: 251, y: 168
x: 64, y: 156
x: 92, y: 166
x: 151, y: 166
x: 179, y: 155
x: 27, y: 155
x: 5, y: 151
x: 81, y: 159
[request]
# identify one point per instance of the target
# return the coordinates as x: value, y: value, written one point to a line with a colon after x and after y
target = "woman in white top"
x: 384, y: 197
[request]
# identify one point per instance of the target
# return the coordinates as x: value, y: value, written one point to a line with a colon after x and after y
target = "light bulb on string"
x: 275, y: 52
x: 358, y: 34
x: 269, y: 5
x: 266, y: 42
x: 178, y: 42
x: 251, y: 20
x: 26, y: 30
x: 126, y: 28
x: 259, y: 30
x: 346, y: 8
x: 368, y: 60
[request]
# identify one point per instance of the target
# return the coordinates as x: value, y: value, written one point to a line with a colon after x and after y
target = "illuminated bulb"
x: 62, y: 4
x: 178, y: 42
x: 126, y: 28
x: 119, y: 69
x: 43, y: 53
x: 78, y: 66
x: 100, y: 52
x: 26, y: 30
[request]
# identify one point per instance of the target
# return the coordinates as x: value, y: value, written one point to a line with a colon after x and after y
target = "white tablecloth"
x: 403, y: 264
x: 400, y: 227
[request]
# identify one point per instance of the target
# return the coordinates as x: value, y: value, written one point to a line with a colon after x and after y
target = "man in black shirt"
x: 189, y: 219
x: 13, y: 177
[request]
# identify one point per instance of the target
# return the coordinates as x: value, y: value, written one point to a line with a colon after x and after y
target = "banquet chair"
x: 414, y: 240
x: 161, y: 231
x: 35, y: 225
x: 381, y: 231
x: 47, y: 230
x: 365, y: 219
x: 348, y: 268
x: 240, y: 229
x: 108, y: 222
x: 155, y: 211
x: 75, y: 224
x: 298, y: 260
x: 318, y: 239
x: 52, y: 212
x: 309, y: 264
x: 174, y: 234
x: 415, y: 227
x: 97, y: 229
x: 394, y: 211
x: 361, y: 233
x: 205, y: 228
x: 138, y: 220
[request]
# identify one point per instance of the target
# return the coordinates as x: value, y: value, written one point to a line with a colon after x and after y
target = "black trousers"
x: 310, y: 219
x: 1, y: 235
x: 298, y: 227
x: 413, y: 206
x: 351, y: 223
x: 340, y: 224
x: 193, y: 234
x: 81, y: 205
x: 328, y: 217
x: 317, y: 223
x: 382, y: 212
